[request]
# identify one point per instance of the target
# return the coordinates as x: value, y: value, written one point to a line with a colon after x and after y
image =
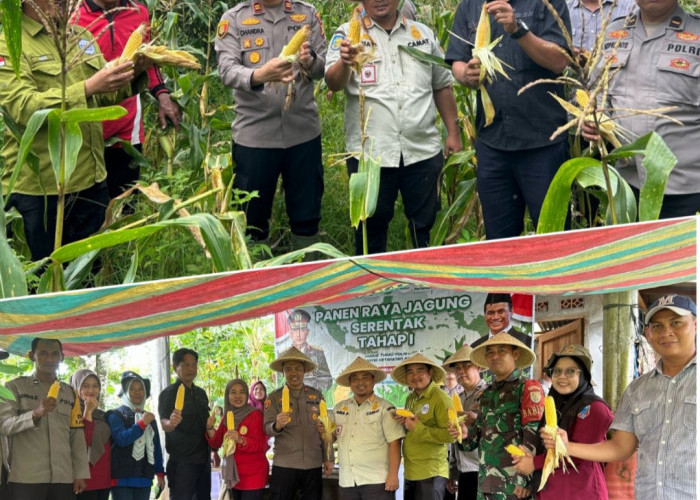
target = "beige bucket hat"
x: 572, y: 351
x: 526, y: 358
x: 461, y: 355
x: 359, y: 365
x: 399, y: 371
x: 293, y: 354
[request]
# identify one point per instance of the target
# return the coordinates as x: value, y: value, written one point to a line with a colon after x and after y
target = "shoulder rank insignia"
x: 288, y: 5
x: 257, y: 8
x: 676, y: 22
x: 415, y: 33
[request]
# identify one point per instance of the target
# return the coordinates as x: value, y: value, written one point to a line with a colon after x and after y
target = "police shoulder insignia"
x: 250, y: 21
x: 312, y: 397
x: 222, y: 28
x: 255, y: 57
x: 320, y: 23
x: 257, y: 8
x: 676, y: 22
x: 259, y: 41
x: 298, y: 18
x: 247, y: 43
x: 267, y: 403
x: 288, y: 5
x: 619, y: 34
x: 585, y: 411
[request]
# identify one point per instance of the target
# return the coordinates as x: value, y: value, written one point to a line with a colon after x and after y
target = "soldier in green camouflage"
x: 509, y: 413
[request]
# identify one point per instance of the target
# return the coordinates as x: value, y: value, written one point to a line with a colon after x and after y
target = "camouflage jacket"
x: 510, y: 412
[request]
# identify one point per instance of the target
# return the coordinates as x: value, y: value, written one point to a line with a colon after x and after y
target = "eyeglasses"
x: 569, y: 372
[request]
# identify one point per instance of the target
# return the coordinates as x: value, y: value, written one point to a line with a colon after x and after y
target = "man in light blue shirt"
x: 587, y: 18
x: 657, y: 412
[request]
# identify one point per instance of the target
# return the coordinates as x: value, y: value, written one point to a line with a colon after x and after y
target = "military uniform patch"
x: 415, y: 33
x: 250, y: 21
x: 267, y: 403
x: 257, y: 8
x: 680, y: 63
x: 688, y: 37
x: 222, y: 28
x: 336, y: 41
x: 259, y: 42
x: 247, y: 43
x: 298, y: 18
x: 619, y: 34
x: 255, y: 57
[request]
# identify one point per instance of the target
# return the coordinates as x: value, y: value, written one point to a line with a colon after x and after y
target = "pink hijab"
x: 254, y: 402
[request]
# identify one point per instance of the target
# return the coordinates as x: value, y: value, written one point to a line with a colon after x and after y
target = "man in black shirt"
x: 188, y: 469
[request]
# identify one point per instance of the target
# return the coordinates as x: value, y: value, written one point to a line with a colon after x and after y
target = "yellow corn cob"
x: 483, y: 35
x: 180, y: 398
x: 322, y: 409
x: 402, y: 412
x: 285, y: 399
x: 453, y: 421
x: 230, y: 423
x: 163, y: 56
x: 132, y: 44
x: 550, y: 412
x: 76, y: 414
x: 457, y: 403
x: 354, y: 30
x: 291, y: 50
x: 53, y: 390
x: 551, y: 461
x: 515, y: 451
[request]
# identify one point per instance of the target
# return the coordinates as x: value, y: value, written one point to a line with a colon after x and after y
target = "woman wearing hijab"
x: 87, y: 384
x: 258, y: 394
x: 245, y: 475
x: 136, y: 451
x: 586, y: 419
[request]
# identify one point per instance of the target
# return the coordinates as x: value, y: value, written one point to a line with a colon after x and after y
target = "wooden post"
x: 618, y: 331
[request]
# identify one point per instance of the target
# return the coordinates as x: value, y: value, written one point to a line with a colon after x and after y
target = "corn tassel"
x: 53, y: 390
x: 402, y: 412
x: 180, y: 398
x: 515, y: 451
x: 453, y: 421
x: 551, y: 461
x: 290, y: 52
x: 285, y: 399
x: 457, y: 403
x: 490, y: 64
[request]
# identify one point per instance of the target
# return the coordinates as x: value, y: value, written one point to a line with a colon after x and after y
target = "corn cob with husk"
x: 290, y: 52
x: 53, y: 390
x: 454, y: 421
x: 229, y: 445
x: 490, y: 64
x: 515, y: 451
x: 285, y: 399
x: 457, y: 403
x: 362, y: 56
x: 606, y: 126
x: 328, y: 426
x: 160, y: 54
x: 557, y: 453
x: 403, y: 412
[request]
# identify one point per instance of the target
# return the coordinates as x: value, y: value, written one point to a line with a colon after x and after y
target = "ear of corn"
x: 163, y: 56
x: 402, y: 412
x: 76, y: 414
x: 607, y: 128
x: 180, y: 398
x: 453, y: 421
x: 229, y: 445
x: 559, y: 452
x: 515, y: 451
x: 354, y: 30
x: 132, y: 44
x: 457, y: 403
x: 285, y: 399
x: 490, y: 64
x: 53, y: 390
x: 230, y: 423
x: 290, y: 52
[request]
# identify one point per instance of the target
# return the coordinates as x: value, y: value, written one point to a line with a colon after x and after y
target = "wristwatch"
x: 521, y: 31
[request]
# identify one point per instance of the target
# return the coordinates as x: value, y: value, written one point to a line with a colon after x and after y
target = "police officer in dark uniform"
x: 320, y: 378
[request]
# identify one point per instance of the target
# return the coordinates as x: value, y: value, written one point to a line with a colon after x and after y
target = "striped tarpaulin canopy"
x: 626, y: 257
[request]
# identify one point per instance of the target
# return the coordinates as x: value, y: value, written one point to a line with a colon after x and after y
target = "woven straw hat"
x: 462, y: 355
x: 399, y: 371
x: 293, y: 354
x: 526, y: 358
x: 359, y: 365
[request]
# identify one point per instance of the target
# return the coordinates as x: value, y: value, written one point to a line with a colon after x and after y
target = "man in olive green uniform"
x: 509, y: 413
x: 88, y: 85
x: 299, y: 452
x: 277, y: 130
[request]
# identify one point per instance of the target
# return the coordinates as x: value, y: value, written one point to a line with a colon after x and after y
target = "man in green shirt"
x: 89, y: 84
x: 425, y: 447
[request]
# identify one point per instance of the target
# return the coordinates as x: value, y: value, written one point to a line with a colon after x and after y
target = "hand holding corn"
x: 558, y: 450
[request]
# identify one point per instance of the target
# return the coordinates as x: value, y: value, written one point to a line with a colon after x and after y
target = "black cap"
x: 128, y: 376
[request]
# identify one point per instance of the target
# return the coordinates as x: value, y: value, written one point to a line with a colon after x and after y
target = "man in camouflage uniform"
x: 510, y: 412
x: 320, y: 378
x: 299, y: 452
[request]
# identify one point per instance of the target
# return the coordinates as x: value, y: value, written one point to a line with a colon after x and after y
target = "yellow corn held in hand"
x: 180, y: 398
x: 53, y: 390
x: 163, y: 56
x: 490, y: 64
x: 457, y: 403
x: 551, y: 461
x: 285, y: 399
x: 230, y: 423
x: 132, y: 44
x: 354, y: 30
x: 402, y: 412
x: 290, y: 51
x: 322, y: 409
x: 453, y: 421
x: 515, y: 451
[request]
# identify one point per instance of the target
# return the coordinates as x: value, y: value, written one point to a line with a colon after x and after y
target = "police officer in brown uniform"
x: 299, y: 452
x: 277, y: 128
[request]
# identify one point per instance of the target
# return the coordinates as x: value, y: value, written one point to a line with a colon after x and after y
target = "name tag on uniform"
x: 368, y: 74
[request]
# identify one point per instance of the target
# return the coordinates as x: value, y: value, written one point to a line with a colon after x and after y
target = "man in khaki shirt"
x: 48, y: 456
x: 369, y: 439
